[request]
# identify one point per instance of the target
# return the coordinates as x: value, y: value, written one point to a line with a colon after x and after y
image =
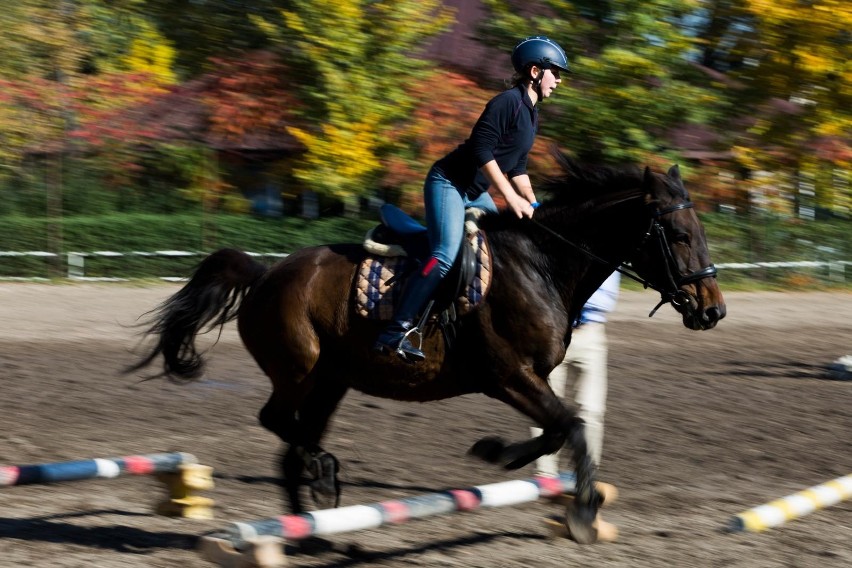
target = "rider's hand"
x: 521, y: 207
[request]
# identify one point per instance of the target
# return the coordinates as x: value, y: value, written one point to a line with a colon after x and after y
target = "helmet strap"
x: 536, y: 83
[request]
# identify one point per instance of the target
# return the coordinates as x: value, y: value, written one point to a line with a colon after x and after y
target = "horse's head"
x: 673, y: 257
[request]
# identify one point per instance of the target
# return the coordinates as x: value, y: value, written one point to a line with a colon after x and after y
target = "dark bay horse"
x: 298, y: 322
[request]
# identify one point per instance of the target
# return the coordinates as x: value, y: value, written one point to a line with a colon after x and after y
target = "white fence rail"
x: 76, y: 263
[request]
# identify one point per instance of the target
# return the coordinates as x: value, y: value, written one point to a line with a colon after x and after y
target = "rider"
x: 495, y: 154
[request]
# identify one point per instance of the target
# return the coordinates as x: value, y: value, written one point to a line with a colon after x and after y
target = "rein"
x: 672, y: 293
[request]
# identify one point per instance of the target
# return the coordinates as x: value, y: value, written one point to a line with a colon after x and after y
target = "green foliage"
x: 130, y: 232
x: 354, y: 59
x: 631, y: 81
x: 732, y: 238
x: 203, y: 31
x: 765, y: 237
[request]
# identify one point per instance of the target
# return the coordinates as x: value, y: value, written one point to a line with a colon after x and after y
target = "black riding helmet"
x: 541, y: 52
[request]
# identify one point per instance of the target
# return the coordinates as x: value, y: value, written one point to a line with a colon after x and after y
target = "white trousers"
x: 585, y: 365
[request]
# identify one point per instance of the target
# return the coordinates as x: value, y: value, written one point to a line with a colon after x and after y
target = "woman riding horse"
x: 298, y: 321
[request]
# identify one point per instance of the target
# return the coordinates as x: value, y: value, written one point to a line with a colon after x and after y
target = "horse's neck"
x: 607, y: 227
x: 593, y: 241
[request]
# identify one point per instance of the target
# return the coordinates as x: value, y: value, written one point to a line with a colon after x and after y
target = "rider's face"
x: 549, y: 80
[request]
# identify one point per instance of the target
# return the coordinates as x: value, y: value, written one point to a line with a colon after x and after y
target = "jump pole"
x: 793, y: 506
x: 228, y: 547
x: 179, y: 471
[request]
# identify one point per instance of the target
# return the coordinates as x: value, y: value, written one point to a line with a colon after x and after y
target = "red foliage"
x: 249, y: 95
x: 438, y: 125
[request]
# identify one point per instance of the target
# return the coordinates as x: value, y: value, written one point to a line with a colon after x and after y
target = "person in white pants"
x: 586, y: 363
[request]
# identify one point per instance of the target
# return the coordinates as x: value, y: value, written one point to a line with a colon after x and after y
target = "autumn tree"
x: 432, y: 129
x: 352, y: 63
x: 65, y: 67
x: 790, y: 82
x: 203, y: 33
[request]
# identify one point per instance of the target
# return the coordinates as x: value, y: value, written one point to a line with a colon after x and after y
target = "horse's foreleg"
x: 532, y: 396
x: 581, y: 516
x: 495, y: 450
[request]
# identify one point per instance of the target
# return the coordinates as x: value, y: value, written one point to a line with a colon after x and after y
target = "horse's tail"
x: 212, y: 297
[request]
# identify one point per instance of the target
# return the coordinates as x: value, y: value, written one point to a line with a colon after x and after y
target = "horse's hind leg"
x: 314, y: 417
x: 302, y: 431
x: 280, y: 419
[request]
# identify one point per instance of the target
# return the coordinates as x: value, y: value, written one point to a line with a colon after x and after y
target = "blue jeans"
x: 445, y: 206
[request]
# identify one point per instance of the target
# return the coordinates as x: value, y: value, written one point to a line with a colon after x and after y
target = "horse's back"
x: 312, y: 283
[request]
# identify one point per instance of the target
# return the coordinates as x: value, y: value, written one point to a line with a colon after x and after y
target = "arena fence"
x: 75, y: 264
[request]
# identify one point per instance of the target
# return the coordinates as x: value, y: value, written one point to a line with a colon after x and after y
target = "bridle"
x: 670, y: 292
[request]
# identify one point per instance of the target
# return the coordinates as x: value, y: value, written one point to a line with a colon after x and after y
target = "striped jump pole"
x: 93, y: 468
x: 793, y: 506
x: 258, y: 543
x: 179, y: 471
x: 360, y: 517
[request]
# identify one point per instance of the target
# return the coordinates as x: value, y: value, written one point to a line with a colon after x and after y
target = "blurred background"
x: 129, y: 127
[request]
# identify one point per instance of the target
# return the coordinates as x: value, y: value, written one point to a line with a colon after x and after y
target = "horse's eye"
x: 682, y: 238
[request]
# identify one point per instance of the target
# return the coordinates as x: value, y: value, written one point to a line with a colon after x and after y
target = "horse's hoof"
x: 488, y: 449
x: 325, y: 496
x: 325, y: 487
x: 580, y: 524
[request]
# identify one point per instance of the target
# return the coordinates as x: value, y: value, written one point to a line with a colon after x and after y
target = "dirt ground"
x: 700, y: 426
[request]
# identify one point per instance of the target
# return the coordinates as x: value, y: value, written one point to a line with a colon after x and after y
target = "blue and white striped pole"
x: 94, y: 468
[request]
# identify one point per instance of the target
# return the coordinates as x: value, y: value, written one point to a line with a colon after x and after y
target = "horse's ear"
x: 674, y: 172
x: 648, y: 177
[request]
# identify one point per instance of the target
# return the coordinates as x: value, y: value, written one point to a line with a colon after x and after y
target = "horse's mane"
x: 579, y: 189
x: 579, y: 182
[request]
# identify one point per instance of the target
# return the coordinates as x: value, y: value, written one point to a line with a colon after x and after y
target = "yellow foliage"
x: 338, y: 158
x: 358, y: 57
x: 151, y: 53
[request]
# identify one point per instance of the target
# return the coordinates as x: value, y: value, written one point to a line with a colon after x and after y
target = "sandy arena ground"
x: 701, y: 426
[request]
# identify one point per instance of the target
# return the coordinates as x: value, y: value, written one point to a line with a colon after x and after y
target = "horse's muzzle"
x: 698, y: 315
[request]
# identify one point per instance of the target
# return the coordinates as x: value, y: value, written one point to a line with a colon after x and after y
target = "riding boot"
x: 415, y: 295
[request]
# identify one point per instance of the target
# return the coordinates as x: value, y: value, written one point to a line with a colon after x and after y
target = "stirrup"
x: 409, y: 352
x: 415, y: 354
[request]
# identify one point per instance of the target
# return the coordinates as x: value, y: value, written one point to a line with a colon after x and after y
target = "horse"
x: 297, y: 321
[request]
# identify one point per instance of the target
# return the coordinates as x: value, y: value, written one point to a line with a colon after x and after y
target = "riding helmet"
x: 540, y: 51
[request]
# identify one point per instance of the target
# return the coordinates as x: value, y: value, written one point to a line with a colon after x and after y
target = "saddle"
x: 398, y: 247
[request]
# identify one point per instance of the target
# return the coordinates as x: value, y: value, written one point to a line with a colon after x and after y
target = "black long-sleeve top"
x: 505, y: 132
